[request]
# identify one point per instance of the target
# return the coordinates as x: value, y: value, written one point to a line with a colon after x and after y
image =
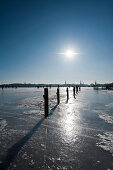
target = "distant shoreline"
x: 16, y: 85
x: 28, y: 85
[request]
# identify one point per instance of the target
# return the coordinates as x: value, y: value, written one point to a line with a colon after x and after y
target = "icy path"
x: 76, y: 135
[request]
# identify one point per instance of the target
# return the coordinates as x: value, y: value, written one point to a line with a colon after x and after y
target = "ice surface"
x: 78, y: 134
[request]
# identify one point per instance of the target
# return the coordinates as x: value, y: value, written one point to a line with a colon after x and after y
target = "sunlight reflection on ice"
x: 69, y: 123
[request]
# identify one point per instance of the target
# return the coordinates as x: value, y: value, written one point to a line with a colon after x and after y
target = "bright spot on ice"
x: 70, y: 127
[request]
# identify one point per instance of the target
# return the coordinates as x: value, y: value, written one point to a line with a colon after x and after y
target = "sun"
x: 69, y: 53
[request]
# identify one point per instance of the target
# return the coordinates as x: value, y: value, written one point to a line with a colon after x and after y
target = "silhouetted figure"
x: 2, y: 86
x: 107, y: 87
x: 79, y: 88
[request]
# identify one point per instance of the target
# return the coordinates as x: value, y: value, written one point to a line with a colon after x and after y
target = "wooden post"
x: 79, y: 88
x: 67, y: 93
x: 46, y: 101
x: 76, y: 89
x: 74, y: 92
x: 58, y: 96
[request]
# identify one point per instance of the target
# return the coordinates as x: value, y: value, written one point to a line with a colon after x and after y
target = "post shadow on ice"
x: 13, y: 151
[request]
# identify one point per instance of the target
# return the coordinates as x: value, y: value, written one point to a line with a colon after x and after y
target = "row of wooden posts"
x: 46, y: 101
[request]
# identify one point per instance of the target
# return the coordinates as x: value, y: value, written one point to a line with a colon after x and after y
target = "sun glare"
x: 69, y: 53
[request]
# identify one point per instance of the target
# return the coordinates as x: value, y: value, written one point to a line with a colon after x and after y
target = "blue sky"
x: 33, y: 32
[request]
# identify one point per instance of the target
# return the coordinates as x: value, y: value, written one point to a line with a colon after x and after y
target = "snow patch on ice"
x: 32, y: 112
x: 3, y: 124
x: 103, y: 115
x: 31, y: 103
x: 107, y: 118
x: 109, y: 105
x: 25, y: 156
x: 106, y: 141
x: 31, y: 162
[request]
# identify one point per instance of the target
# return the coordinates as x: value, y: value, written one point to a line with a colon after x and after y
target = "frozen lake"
x: 77, y: 135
